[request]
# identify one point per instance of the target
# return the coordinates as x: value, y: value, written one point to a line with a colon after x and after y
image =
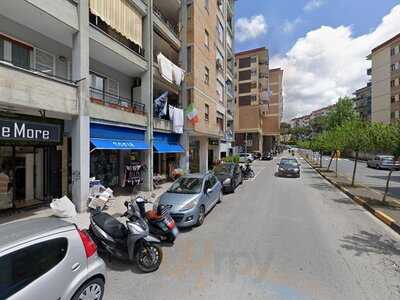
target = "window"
x: 113, y: 87
x: 206, y: 112
x: 220, y: 30
x: 393, y: 67
x: 213, y: 180
x: 206, y: 38
x: 189, y: 11
x: 189, y: 59
x: 392, y: 51
x: 244, y: 88
x: 220, y: 121
x: 244, y: 75
x: 206, y: 5
x: 206, y: 75
x: 21, y: 56
x: 220, y: 91
x: 44, y: 62
x: 244, y: 100
x: 253, y: 59
x: 392, y: 99
x: 20, y: 268
x: 244, y: 62
x: 392, y: 83
x: 1, y: 49
x: 97, y: 86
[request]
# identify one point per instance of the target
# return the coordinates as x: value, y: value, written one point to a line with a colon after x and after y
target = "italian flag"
x: 191, y: 114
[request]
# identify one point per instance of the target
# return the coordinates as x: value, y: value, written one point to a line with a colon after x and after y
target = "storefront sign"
x: 19, y: 130
x: 213, y: 142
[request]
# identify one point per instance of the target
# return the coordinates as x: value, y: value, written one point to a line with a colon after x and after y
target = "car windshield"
x: 387, y: 160
x: 186, y: 185
x: 288, y: 163
x: 223, y: 169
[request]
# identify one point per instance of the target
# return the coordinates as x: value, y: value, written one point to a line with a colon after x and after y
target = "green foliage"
x: 285, y: 128
x: 342, y: 112
x: 319, y: 124
x: 356, y: 135
x: 231, y: 159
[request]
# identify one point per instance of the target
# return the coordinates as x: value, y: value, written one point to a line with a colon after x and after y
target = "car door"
x: 236, y: 175
x: 215, y: 187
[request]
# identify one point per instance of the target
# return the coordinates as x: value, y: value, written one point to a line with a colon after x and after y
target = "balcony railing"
x: 166, y: 21
x: 35, y: 71
x: 115, y: 101
x: 369, y: 71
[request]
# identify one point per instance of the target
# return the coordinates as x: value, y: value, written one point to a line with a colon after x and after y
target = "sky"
x: 321, y: 44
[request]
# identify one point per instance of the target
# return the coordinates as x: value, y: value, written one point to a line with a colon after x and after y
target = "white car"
x: 246, y: 157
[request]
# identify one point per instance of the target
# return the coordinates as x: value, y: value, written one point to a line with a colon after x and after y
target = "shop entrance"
x: 29, y: 175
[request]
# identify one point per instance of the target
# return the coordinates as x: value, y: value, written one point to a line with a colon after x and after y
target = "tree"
x: 335, y: 142
x: 285, y: 128
x: 342, y: 112
x: 356, y: 137
x: 319, y: 124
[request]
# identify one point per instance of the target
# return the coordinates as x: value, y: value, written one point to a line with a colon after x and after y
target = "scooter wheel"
x: 149, y: 257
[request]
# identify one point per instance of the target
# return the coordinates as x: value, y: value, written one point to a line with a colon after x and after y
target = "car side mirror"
x: 208, y: 191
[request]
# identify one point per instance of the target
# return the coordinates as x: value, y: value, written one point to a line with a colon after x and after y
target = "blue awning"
x: 107, y: 137
x: 103, y: 144
x: 162, y: 147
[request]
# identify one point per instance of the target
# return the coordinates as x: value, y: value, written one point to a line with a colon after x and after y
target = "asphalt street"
x: 375, y: 179
x: 274, y: 238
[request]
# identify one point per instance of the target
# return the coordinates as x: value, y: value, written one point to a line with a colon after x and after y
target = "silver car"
x: 383, y: 162
x: 49, y: 259
x: 191, y: 197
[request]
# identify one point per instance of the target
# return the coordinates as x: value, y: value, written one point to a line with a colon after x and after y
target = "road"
x: 375, y: 179
x: 275, y: 238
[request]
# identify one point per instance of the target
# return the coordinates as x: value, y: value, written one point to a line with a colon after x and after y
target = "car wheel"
x: 92, y: 289
x: 202, y: 215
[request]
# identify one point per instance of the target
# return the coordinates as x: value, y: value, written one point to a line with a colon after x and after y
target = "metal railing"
x: 103, y: 97
x: 166, y: 21
x: 34, y: 71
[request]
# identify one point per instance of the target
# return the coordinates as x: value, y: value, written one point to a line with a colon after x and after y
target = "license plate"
x: 175, y: 231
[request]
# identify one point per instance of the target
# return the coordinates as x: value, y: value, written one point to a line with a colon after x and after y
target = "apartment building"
x: 208, y: 56
x: 362, y: 102
x: 385, y: 89
x: 77, y: 83
x: 258, y: 102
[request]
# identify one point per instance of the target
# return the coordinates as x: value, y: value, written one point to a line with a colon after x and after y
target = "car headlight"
x: 281, y: 169
x: 296, y: 170
x: 227, y: 181
x: 189, y: 205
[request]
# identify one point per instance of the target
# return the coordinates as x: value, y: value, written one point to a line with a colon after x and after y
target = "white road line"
x: 258, y: 173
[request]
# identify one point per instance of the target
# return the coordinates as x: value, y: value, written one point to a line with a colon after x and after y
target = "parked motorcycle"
x: 131, y: 242
x: 247, y: 171
x: 160, y: 222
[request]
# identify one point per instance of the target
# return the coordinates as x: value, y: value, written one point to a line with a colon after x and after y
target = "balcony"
x: 166, y: 26
x: 30, y: 88
x: 114, y: 101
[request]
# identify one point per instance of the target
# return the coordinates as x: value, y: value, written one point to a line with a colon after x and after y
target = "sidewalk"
x: 388, y: 212
x: 116, y: 209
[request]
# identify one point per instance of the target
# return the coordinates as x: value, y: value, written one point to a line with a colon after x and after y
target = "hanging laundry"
x: 178, y: 74
x: 176, y: 116
x: 160, y: 105
x: 165, y: 66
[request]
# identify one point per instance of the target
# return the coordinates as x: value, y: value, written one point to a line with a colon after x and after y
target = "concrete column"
x: 64, y: 166
x: 204, y: 154
x: 147, y: 92
x: 80, y: 132
x: 184, y: 157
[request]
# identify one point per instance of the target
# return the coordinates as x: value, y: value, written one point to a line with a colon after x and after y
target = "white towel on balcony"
x: 165, y: 66
x: 178, y: 74
x: 176, y: 116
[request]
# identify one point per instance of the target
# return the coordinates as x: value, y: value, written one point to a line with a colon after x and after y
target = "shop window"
x: 206, y: 112
x: 44, y: 62
x: 20, y: 56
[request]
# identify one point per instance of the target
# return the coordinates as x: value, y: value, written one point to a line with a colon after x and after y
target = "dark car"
x: 256, y: 155
x: 267, y: 156
x: 230, y: 176
x: 289, y: 167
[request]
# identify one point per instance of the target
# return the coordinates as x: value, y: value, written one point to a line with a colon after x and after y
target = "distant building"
x: 304, y: 121
x: 385, y: 71
x: 322, y: 112
x: 362, y: 102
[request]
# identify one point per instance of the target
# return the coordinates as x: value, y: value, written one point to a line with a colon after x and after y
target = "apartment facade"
x: 362, y: 102
x: 258, y: 101
x: 385, y: 90
x: 208, y: 27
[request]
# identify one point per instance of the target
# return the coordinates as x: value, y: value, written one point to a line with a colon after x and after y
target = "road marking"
x: 258, y: 173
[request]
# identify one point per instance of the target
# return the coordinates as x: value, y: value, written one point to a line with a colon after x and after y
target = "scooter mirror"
x: 139, y: 200
x: 126, y: 203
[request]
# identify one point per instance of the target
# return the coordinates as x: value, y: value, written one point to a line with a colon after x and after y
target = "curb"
x: 377, y: 213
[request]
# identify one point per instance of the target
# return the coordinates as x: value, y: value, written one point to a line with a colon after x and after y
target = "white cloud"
x: 250, y: 28
x: 289, y: 26
x: 329, y: 63
x: 313, y: 4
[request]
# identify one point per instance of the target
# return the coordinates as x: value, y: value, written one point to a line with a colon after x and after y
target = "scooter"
x: 131, y: 242
x: 247, y: 171
x: 160, y: 222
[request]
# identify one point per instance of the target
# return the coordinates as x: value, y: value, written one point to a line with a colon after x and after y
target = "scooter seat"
x: 110, y: 225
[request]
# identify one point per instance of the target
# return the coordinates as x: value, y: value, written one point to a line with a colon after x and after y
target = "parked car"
x: 246, y: 157
x: 288, y: 167
x: 383, y: 162
x: 191, y: 197
x: 267, y: 156
x: 230, y: 175
x: 48, y: 258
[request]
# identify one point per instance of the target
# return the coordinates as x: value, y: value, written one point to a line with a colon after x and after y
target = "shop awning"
x: 104, y: 144
x: 107, y: 137
x: 162, y: 147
